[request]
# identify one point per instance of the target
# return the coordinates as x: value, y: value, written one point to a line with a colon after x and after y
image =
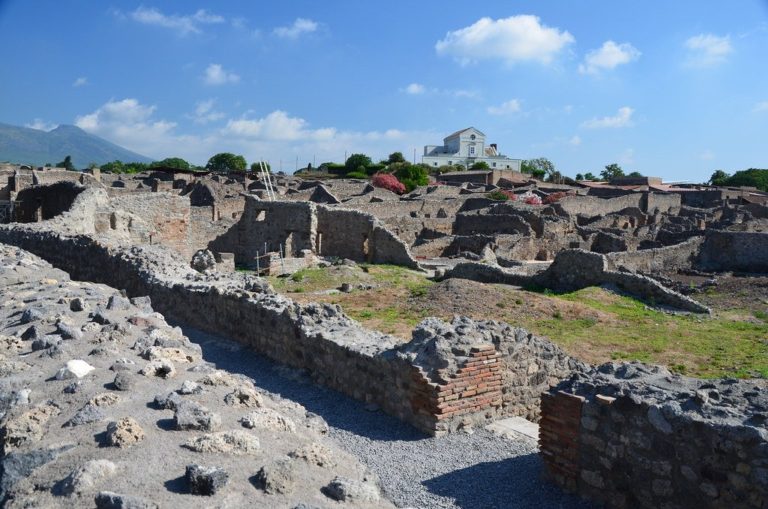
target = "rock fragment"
x: 75, y: 368
x: 124, y: 433
x: 205, y: 480
x: 190, y: 415
x: 277, y: 478
x: 235, y: 442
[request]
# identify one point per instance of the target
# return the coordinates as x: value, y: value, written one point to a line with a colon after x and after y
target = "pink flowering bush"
x: 389, y: 182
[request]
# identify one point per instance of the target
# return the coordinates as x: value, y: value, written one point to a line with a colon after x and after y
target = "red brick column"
x: 475, y: 387
x: 559, y: 437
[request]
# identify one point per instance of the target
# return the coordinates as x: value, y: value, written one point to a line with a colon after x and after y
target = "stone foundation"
x: 629, y: 435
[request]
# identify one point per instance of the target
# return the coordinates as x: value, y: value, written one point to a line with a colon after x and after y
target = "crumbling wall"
x: 337, y: 351
x: 630, y: 435
x: 168, y: 216
x: 38, y: 203
x: 359, y: 236
x: 656, y: 260
x: 739, y: 251
x: 664, y: 202
x: 594, y: 206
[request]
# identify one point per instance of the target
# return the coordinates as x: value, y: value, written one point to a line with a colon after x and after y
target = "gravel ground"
x: 478, y: 471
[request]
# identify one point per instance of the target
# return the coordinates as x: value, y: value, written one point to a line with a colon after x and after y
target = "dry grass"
x: 592, y: 324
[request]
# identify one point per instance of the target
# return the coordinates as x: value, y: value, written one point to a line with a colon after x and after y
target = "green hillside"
x: 35, y: 147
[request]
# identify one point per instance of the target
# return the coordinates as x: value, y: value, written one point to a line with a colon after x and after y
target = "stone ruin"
x: 606, y: 432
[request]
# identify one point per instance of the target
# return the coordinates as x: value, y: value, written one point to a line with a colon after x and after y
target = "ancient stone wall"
x: 629, y: 435
x: 594, y: 206
x: 167, y: 214
x: 656, y: 260
x: 664, y: 202
x: 38, y: 203
x: 574, y: 269
x: 734, y: 251
x: 402, y: 379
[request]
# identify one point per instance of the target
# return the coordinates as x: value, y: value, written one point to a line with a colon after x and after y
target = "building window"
x: 494, y: 165
x: 450, y: 162
x: 472, y: 137
x: 472, y: 150
x: 435, y: 163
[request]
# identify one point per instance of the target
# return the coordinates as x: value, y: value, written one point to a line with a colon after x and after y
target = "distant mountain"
x: 31, y: 146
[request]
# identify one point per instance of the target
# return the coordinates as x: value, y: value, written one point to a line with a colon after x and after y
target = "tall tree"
x: 66, y: 164
x: 171, y: 162
x: 612, y: 171
x: 539, y: 168
x: 226, y: 161
x: 396, y: 157
x: 355, y: 161
x: 718, y: 178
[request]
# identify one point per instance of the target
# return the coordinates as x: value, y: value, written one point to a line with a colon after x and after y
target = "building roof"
x: 464, y: 130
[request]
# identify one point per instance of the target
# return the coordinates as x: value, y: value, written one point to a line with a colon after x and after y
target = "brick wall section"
x: 559, y: 437
x: 475, y: 387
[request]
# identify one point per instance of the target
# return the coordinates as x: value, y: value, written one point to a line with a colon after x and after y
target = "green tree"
x: 354, y: 161
x: 579, y: 176
x: 539, y: 168
x: 752, y: 177
x: 226, y: 161
x: 612, y: 171
x: 589, y: 176
x: 635, y: 174
x: 412, y: 176
x: 480, y: 165
x: 66, y: 164
x: 396, y: 157
x: 718, y: 178
x: 171, y: 162
x: 255, y: 167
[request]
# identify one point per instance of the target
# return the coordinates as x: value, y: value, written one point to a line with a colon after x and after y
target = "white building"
x: 467, y: 147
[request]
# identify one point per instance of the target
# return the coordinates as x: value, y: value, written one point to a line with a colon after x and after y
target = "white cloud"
x: 216, y: 75
x: 299, y: 27
x: 205, y: 112
x: 415, y: 89
x: 127, y: 123
x: 505, y: 108
x: 277, y: 126
x: 276, y: 135
x: 760, y: 107
x: 79, y: 82
x: 608, y: 56
x: 41, y: 125
x: 419, y: 89
x: 623, y: 118
x: 183, y: 25
x: 708, y: 50
x: 515, y: 39
x: 575, y: 141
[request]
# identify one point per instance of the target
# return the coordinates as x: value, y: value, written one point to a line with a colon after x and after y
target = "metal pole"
x: 258, y: 269
x: 282, y: 259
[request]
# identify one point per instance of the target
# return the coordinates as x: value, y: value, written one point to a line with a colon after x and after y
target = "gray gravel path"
x: 478, y: 471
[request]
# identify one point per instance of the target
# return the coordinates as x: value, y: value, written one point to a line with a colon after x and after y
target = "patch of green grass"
x: 761, y: 315
x: 723, y: 345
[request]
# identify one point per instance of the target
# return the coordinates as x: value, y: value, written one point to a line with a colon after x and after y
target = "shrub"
x: 389, y: 182
x: 412, y: 176
x: 357, y: 175
x: 502, y: 195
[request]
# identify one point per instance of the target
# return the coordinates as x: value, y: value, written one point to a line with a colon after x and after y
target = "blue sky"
x: 675, y: 89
